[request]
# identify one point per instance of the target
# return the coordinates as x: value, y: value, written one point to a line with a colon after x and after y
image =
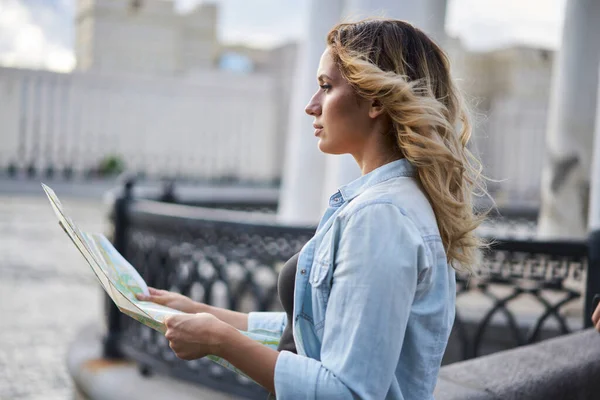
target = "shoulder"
x: 401, y: 199
x: 380, y: 225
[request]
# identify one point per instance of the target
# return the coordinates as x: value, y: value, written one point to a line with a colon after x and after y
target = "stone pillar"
x: 304, y: 164
x: 428, y: 15
x: 569, y: 135
x: 434, y: 21
x: 593, y: 271
x: 339, y: 170
x: 594, y: 207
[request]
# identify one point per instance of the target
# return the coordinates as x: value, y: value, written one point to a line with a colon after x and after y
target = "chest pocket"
x: 320, y: 280
x: 320, y: 276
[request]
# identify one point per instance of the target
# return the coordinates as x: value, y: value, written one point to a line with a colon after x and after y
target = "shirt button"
x: 303, y: 271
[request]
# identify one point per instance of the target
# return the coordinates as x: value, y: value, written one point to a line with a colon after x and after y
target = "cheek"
x: 329, y: 109
x: 336, y: 111
x: 344, y: 115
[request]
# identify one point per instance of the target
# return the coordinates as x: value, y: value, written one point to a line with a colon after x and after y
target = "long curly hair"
x: 400, y: 66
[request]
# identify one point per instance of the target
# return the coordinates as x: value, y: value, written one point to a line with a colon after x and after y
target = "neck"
x: 377, y: 152
x: 372, y: 164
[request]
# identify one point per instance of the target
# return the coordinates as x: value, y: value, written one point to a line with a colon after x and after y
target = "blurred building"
x: 157, y: 89
x: 508, y: 91
x: 144, y: 37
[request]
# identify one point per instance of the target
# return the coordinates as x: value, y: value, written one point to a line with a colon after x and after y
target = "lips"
x: 318, y: 129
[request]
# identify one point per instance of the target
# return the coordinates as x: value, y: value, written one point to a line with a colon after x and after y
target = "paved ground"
x: 47, y: 292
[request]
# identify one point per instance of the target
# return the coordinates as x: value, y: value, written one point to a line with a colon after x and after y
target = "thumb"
x: 170, y: 321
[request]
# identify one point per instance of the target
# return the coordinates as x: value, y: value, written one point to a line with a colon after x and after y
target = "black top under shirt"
x: 285, y: 288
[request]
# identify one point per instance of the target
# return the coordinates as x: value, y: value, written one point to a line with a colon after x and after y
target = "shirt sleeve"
x: 374, y: 284
x: 267, y: 323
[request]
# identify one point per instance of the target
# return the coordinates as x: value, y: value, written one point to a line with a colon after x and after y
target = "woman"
x: 370, y: 298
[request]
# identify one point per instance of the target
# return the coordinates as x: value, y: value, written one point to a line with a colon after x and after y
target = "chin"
x: 324, y: 147
x: 327, y: 148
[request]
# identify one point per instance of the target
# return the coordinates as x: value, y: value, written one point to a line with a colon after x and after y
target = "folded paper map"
x: 121, y: 281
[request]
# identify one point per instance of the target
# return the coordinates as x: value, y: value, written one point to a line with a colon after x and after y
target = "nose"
x: 313, y: 108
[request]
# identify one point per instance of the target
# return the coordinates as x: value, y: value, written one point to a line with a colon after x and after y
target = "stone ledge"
x: 96, y: 378
x: 567, y: 367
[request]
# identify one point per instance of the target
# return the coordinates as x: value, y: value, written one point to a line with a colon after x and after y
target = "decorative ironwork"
x: 228, y: 264
x: 231, y: 259
x: 545, y: 277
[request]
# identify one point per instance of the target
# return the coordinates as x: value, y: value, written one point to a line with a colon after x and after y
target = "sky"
x: 40, y: 33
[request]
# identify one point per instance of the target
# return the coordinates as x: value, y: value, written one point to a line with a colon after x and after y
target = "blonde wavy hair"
x: 400, y: 66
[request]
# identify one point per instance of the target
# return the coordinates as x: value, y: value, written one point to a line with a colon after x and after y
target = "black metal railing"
x: 523, y: 291
x: 527, y: 284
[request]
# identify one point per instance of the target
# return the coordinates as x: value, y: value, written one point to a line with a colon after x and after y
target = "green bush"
x: 111, y: 165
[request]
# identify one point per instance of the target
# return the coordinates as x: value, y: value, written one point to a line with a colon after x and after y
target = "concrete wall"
x: 564, y: 368
x: 218, y: 124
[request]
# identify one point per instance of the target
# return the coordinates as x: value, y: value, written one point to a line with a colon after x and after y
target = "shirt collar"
x: 394, y: 169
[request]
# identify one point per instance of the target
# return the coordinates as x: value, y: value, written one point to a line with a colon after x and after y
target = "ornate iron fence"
x: 231, y: 258
x: 539, y: 279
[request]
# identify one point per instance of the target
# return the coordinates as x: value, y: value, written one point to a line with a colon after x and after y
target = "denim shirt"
x: 374, y: 296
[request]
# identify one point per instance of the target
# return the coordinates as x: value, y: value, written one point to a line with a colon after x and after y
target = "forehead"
x: 327, y: 66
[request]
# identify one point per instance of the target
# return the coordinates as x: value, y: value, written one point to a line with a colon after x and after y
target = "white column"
x: 428, y: 15
x: 304, y: 164
x: 10, y: 114
x: 29, y: 125
x: 594, y: 208
x: 339, y: 170
x: 408, y: 10
x: 569, y: 136
x: 434, y: 20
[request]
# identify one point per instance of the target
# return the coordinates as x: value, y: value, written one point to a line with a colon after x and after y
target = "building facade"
x: 144, y: 37
x: 151, y: 87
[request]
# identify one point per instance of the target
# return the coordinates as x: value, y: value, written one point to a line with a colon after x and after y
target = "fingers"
x: 155, y: 296
x: 156, y: 292
x: 143, y: 297
x: 596, y: 319
x: 596, y: 315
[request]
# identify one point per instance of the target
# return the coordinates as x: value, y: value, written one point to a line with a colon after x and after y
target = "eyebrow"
x: 320, y: 78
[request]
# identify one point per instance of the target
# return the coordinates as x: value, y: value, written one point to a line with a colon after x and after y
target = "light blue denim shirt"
x: 374, y: 296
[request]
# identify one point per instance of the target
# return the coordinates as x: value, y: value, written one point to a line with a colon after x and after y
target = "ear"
x: 376, y: 109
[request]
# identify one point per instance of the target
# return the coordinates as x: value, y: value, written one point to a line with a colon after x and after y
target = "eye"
x: 325, y: 87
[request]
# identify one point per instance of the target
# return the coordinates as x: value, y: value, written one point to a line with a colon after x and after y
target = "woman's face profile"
x: 341, y: 118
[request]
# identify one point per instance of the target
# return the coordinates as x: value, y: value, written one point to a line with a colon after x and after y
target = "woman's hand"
x: 195, y: 336
x: 596, y: 314
x: 173, y: 300
x: 183, y: 303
